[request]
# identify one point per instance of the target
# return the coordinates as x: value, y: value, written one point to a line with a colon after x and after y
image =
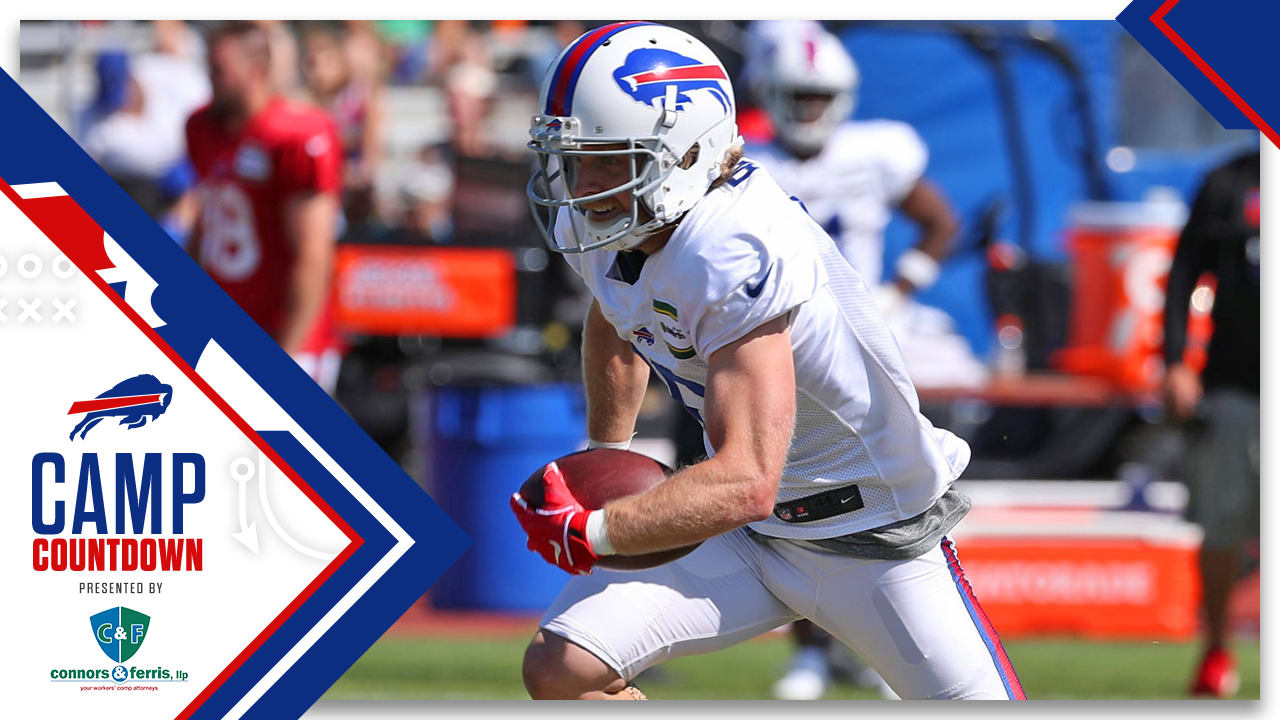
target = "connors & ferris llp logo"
x: 120, y: 632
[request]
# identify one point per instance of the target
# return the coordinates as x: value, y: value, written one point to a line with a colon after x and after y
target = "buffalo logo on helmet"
x: 646, y: 74
x: 135, y: 401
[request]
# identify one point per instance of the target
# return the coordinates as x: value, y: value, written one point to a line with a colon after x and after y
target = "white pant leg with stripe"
x: 910, y: 619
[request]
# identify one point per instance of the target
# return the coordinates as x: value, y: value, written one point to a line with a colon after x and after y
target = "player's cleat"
x: 1217, y: 676
x: 807, y: 678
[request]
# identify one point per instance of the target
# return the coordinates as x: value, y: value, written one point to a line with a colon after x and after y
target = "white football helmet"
x: 648, y: 92
x: 758, y: 42
x: 807, y: 87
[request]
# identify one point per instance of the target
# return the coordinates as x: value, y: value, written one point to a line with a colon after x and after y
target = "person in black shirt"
x: 1221, y: 404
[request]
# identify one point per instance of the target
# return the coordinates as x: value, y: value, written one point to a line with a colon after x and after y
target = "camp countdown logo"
x: 119, y: 632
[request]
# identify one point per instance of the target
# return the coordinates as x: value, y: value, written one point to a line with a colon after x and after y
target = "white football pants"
x: 915, y: 621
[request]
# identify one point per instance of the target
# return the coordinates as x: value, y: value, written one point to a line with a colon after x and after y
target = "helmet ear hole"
x: 690, y: 157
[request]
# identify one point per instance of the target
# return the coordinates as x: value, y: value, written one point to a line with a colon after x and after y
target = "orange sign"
x: 450, y: 292
x: 1103, y: 587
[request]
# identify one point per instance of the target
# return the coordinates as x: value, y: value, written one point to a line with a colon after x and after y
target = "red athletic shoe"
x: 1217, y: 675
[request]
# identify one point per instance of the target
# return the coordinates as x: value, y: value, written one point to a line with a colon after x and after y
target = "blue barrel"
x: 485, y: 441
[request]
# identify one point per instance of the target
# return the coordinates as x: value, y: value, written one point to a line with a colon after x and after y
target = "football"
x: 595, y: 477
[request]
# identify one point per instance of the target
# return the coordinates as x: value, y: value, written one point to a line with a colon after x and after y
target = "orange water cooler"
x: 1121, y: 254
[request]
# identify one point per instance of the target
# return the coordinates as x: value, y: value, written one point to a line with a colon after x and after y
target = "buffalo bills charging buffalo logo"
x: 647, y: 73
x: 134, y: 401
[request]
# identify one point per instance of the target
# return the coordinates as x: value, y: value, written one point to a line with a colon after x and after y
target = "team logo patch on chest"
x: 644, y: 336
x: 251, y: 163
x: 672, y: 336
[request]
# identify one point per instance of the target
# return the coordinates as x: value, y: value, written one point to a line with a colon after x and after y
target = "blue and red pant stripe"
x: 987, y: 631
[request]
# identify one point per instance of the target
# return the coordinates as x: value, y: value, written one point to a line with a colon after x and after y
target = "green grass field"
x: 438, y: 668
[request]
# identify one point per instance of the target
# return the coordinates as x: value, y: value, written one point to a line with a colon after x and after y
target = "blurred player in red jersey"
x: 270, y: 176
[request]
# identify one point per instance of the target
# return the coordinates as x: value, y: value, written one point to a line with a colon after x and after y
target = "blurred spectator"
x: 284, y: 57
x: 114, y: 88
x: 115, y: 130
x: 133, y: 128
x: 366, y: 54
x: 563, y: 32
x: 417, y: 207
x: 1222, y: 237
x: 469, y: 84
x: 355, y: 104
x: 270, y: 173
x: 448, y: 45
x: 172, y: 75
x: 427, y: 198
x: 409, y: 43
x: 179, y: 40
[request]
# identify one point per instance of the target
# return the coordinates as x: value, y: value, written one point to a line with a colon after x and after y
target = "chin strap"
x: 635, y: 238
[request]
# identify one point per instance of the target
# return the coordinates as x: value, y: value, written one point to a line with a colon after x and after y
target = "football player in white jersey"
x: 826, y: 493
x: 851, y: 176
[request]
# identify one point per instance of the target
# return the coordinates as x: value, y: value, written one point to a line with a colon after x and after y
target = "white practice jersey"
x: 748, y: 253
x: 853, y: 184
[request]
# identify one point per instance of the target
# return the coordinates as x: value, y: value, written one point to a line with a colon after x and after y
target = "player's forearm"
x: 314, y: 224
x: 932, y: 214
x: 749, y: 414
x: 614, y: 378
x: 929, y: 209
x: 185, y: 212
x: 935, y: 236
x: 1183, y: 274
x: 697, y: 503
x: 303, y: 303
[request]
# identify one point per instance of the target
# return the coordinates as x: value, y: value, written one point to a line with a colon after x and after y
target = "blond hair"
x: 731, y: 159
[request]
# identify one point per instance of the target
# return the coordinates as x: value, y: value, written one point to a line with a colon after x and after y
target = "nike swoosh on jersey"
x: 556, y: 545
x: 755, y: 291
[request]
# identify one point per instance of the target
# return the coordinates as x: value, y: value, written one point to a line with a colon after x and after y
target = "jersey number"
x: 229, y: 246
x: 674, y: 385
x: 741, y: 173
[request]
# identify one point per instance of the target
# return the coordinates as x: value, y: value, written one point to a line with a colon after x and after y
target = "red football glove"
x: 558, y: 529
